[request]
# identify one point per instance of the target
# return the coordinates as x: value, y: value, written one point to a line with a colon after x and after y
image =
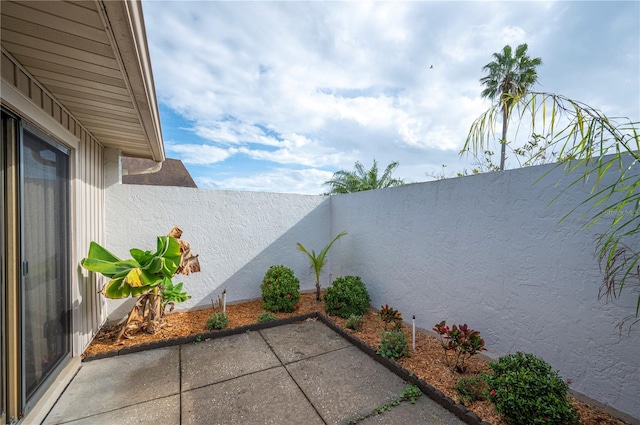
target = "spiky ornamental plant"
x: 318, y: 261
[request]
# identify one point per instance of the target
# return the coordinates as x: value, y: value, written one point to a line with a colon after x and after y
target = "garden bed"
x: 426, y: 362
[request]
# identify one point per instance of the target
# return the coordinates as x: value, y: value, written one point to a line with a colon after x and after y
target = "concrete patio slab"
x: 239, y: 379
x: 296, y: 342
x: 218, y: 360
x: 267, y: 397
x: 424, y: 411
x: 118, y: 382
x: 345, y: 384
x: 164, y: 410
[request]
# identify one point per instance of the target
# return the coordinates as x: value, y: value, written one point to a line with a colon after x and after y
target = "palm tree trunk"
x: 503, y: 142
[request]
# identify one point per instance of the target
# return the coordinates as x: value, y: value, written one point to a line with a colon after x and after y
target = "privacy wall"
x: 237, y: 235
x: 485, y: 250
x: 489, y: 251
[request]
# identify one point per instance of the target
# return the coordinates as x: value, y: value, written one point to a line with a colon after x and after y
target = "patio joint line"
x: 180, y: 383
x: 318, y: 355
x: 293, y: 379
x: 232, y: 378
x: 110, y: 410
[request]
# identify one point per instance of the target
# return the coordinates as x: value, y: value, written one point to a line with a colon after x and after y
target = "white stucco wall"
x: 237, y: 235
x: 486, y: 250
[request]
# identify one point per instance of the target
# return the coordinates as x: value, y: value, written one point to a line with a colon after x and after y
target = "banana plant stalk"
x: 318, y: 261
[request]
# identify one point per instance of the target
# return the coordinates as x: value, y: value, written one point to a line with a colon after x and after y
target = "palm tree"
x: 510, y: 77
x: 359, y: 180
x: 318, y: 260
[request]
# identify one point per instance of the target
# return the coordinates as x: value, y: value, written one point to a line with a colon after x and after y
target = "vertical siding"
x: 87, y: 201
x: 90, y: 227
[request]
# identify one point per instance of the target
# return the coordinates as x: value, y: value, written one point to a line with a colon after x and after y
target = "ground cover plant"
x: 266, y: 316
x: 470, y: 389
x: 393, y: 344
x: 355, y: 322
x: 426, y: 361
x: 218, y: 320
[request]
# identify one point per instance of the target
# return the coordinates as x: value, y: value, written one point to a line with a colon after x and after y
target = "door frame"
x: 16, y: 406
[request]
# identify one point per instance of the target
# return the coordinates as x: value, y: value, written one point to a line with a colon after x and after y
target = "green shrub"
x: 355, y: 322
x: 393, y: 345
x: 217, y: 320
x: 527, y: 391
x: 266, y: 316
x: 280, y: 290
x: 347, y: 295
x: 471, y: 389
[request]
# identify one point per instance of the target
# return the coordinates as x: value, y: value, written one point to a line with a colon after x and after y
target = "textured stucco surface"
x: 485, y: 250
x: 237, y: 235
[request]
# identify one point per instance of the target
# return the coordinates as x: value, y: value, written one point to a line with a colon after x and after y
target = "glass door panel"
x: 45, y: 289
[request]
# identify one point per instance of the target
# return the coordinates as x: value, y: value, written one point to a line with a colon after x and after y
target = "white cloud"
x: 281, y: 180
x: 323, y: 84
x: 200, y: 154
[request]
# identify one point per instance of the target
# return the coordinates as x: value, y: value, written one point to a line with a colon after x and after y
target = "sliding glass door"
x: 45, y: 286
x: 3, y: 274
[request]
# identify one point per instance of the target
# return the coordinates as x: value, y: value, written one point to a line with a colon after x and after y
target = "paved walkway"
x: 291, y: 374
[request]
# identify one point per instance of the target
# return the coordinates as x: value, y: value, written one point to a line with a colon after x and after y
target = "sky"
x: 277, y: 96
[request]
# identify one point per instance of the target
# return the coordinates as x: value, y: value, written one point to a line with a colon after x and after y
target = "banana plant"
x: 147, y: 276
x: 138, y: 275
x: 318, y: 261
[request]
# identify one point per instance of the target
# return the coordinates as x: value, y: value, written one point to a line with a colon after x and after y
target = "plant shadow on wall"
x: 148, y: 276
x: 594, y: 149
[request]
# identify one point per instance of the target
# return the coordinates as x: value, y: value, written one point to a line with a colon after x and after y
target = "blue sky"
x: 276, y: 96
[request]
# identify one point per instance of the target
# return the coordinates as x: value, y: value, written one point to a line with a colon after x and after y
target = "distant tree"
x: 360, y: 179
x: 509, y: 77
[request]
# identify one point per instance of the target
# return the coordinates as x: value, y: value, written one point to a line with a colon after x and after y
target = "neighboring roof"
x: 93, y: 58
x: 172, y: 173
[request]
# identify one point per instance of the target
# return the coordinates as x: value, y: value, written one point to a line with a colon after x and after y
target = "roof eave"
x: 124, y: 23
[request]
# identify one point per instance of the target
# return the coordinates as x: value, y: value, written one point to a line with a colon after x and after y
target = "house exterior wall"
x: 25, y: 97
x: 489, y: 251
x: 23, y: 94
x: 237, y: 235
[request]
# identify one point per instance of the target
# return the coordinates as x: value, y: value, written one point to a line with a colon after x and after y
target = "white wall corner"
x: 112, y: 167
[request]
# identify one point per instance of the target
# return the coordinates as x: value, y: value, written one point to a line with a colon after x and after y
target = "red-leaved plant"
x: 389, y: 315
x: 463, y: 341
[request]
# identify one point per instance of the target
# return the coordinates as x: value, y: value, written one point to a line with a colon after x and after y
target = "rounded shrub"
x: 347, y: 295
x: 218, y: 320
x: 527, y: 391
x: 280, y: 290
x: 393, y: 344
